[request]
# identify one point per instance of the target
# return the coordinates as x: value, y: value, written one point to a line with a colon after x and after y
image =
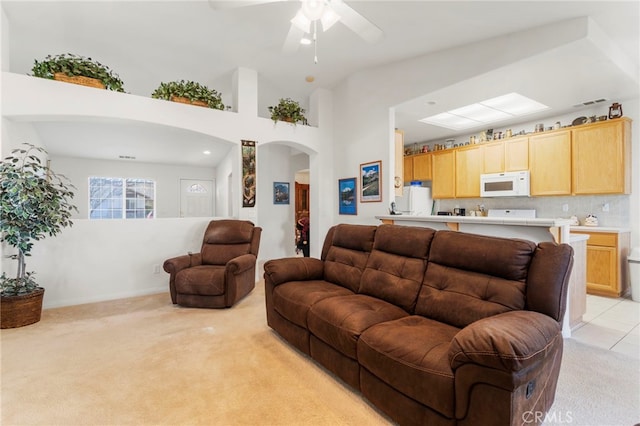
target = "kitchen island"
x: 532, y: 229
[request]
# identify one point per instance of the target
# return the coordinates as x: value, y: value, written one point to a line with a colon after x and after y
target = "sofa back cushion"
x: 470, y: 277
x: 345, y: 253
x: 397, y: 263
x: 225, y: 239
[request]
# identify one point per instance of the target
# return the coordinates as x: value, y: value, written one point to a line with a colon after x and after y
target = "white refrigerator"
x: 415, y: 201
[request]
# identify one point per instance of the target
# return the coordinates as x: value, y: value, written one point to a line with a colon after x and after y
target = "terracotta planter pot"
x: 79, y: 79
x: 18, y: 311
x: 182, y: 100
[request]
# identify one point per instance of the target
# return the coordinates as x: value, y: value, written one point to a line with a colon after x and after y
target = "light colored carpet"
x: 143, y: 361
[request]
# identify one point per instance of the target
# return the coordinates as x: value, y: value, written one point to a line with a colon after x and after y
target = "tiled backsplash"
x: 552, y: 207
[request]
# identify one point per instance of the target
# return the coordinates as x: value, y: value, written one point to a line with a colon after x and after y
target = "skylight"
x: 486, y: 112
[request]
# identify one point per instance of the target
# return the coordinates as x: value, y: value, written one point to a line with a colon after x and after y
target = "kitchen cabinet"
x: 516, y: 154
x: 443, y: 184
x: 407, y: 173
x: 606, y: 262
x: 601, y: 158
x: 417, y: 167
x: 550, y: 163
x: 398, y: 178
x: 493, y: 157
x: 469, y: 165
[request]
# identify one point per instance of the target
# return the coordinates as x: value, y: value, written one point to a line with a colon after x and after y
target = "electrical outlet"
x: 605, y: 207
x: 156, y: 269
x: 565, y: 207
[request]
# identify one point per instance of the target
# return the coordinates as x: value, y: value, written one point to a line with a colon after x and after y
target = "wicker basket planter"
x: 18, y: 311
x: 79, y: 79
x: 182, y: 100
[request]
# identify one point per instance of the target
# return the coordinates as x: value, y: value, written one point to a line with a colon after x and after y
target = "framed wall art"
x: 371, y: 182
x: 347, y: 197
x: 280, y: 192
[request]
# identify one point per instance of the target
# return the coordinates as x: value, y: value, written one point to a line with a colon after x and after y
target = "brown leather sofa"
x: 433, y: 327
x: 223, y: 272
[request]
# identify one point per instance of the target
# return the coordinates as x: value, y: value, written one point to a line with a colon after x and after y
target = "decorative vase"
x: 18, y: 311
x: 184, y: 100
x: 79, y: 79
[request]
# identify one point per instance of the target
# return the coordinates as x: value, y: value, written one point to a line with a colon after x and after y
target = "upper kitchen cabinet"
x: 398, y: 178
x: 417, y: 167
x: 469, y: 166
x: 550, y: 163
x: 510, y: 155
x: 516, y: 154
x: 444, y: 174
x: 601, y: 158
x: 493, y: 157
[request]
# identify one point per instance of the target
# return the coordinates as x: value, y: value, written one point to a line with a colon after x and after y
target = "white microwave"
x: 507, y: 184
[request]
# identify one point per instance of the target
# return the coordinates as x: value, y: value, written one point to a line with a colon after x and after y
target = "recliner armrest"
x: 176, y: 264
x: 240, y: 264
x: 510, y: 341
x: 280, y: 271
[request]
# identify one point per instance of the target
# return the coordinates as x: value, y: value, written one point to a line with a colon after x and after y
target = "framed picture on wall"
x: 371, y: 182
x: 280, y: 192
x: 347, y: 197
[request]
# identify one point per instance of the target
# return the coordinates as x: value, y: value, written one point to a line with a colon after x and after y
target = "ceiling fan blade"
x: 233, y: 4
x: 292, y: 42
x: 356, y: 22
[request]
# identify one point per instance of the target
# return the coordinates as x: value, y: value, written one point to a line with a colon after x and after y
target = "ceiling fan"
x: 314, y: 12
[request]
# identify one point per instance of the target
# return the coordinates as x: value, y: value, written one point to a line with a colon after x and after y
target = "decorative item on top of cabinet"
x: 615, y: 110
x: 601, y: 158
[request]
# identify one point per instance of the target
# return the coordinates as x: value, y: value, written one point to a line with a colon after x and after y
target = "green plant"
x: 288, y: 110
x: 34, y: 202
x: 73, y: 65
x: 190, y: 90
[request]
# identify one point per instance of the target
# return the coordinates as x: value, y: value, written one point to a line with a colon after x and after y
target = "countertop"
x: 483, y: 220
x: 613, y: 230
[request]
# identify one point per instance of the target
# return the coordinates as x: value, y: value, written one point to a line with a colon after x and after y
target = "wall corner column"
x: 245, y: 91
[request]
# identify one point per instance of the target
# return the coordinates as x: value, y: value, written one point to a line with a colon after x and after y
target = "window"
x: 118, y: 198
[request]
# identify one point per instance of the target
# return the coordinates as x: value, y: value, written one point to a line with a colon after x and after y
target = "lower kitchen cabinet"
x: 607, y: 262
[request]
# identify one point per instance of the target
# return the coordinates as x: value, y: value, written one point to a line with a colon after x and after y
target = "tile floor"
x: 611, y: 323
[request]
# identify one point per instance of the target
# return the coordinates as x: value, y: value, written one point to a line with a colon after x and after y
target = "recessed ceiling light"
x: 306, y: 41
x: 485, y: 112
x: 206, y: 152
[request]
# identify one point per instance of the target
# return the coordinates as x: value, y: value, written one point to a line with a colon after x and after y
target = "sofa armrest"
x: 511, y: 341
x: 240, y: 264
x: 280, y: 271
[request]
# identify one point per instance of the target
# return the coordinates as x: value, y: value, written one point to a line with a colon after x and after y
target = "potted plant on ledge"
x: 34, y: 202
x: 288, y: 110
x: 189, y: 92
x: 76, y: 69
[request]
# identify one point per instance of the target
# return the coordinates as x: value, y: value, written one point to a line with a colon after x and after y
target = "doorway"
x: 196, y: 198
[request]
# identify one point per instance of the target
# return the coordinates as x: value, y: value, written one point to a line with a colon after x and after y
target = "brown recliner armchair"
x: 223, y: 272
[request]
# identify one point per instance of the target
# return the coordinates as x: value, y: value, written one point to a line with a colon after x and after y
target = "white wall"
x: 276, y: 220
x: 167, y: 178
x: 111, y: 259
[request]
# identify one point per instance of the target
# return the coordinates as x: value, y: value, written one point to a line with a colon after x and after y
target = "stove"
x: 522, y: 213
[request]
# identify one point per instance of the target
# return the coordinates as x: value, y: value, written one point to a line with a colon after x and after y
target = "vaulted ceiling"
x: 152, y: 41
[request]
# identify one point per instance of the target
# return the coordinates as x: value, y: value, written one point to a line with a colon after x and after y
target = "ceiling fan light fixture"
x: 313, y: 9
x: 329, y: 18
x: 302, y: 22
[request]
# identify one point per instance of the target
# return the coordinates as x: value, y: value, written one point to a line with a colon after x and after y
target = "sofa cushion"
x: 411, y: 355
x: 345, y: 252
x: 338, y: 321
x: 470, y: 277
x: 293, y: 300
x: 204, y: 280
x: 396, y: 265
